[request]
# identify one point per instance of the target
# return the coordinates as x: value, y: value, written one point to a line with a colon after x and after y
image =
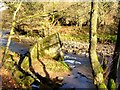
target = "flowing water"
x: 81, y: 73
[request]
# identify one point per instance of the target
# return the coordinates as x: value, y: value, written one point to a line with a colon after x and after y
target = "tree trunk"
x: 113, y: 75
x: 97, y: 69
x: 11, y: 32
x: 115, y: 63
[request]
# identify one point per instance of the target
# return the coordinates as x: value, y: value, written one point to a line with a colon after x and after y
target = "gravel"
x: 81, y: 48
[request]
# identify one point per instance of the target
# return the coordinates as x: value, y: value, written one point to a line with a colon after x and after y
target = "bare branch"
x: 11, y: 32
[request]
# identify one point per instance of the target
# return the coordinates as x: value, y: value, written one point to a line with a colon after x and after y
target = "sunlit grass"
x: 75, y: 37
x: 85, y: 37
x: 107, y: 38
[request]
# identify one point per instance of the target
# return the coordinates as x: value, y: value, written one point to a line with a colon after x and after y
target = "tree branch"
x: 11, y: 32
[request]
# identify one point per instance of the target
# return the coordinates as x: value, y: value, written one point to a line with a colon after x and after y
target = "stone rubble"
x: 81, y: 48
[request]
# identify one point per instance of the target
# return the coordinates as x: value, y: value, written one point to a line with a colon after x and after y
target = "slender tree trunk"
x: 115, y: 63
x: 11, y: 32
x: 97, y: 69
x: 113, y: 75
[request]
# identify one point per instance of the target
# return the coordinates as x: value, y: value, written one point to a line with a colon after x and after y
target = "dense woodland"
x: 94, y: 23
x: 38, y: 16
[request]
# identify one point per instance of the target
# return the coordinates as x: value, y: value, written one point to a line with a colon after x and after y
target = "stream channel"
x: 81, y: 72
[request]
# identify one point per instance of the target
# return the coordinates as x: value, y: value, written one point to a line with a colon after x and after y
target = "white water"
x: 72, y: 62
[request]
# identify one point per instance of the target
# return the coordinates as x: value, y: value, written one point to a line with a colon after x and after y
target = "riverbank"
x: 70, y: 45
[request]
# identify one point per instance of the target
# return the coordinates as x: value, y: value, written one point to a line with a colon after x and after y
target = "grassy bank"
x: 85, y: 38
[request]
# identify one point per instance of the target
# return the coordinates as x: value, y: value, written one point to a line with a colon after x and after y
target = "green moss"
x: 100, y: 69
x: 9, y: 64
x: 27, y: 81
x: 81, y: 37
x: 55, y: 66
x: 65, y: 64
x: 102, y: 86
x: 33, y: 51
x: 85, y: 37
x: 112, y: 84
x: 107, y: 37
x: 18, y: 77
x: 25, y: 63
x: 23, y: 80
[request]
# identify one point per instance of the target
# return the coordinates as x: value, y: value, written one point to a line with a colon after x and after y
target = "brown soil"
x: 7, y: 79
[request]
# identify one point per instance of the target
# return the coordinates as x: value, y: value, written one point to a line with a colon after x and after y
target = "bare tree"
x: 11, y: 31
x: 97, y: 69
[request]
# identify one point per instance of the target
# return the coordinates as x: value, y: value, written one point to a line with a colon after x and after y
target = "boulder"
x: 50, y: 46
